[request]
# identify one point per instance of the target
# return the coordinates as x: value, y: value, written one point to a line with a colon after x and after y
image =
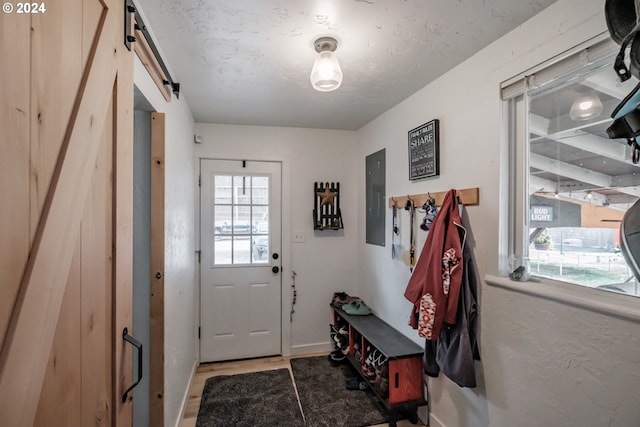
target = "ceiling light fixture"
x: 326, y: 74
x: 585, y: 107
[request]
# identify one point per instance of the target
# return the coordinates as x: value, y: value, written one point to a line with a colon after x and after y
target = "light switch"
x: 298, y: 236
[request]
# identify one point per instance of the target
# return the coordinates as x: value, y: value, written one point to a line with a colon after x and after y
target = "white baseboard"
x: 185, y: 398
x: 311, y: 348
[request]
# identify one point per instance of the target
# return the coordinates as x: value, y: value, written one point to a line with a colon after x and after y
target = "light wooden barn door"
x: 66, y: 111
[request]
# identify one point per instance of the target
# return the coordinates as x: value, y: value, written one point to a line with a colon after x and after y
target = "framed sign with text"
x: 424, y: 151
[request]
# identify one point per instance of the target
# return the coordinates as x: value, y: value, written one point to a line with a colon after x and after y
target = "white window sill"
x: 596, y: 300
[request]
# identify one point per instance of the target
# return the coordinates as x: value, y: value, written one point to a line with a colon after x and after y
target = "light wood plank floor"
x: 238, y: 367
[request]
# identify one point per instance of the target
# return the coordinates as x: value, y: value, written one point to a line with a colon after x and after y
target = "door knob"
x: 275, y: 269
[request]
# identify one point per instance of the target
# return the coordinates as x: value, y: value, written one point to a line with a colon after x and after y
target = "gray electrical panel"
x: 375, y: 195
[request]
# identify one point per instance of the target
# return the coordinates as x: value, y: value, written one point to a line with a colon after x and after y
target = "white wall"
x: 544, y: 362
x: 326, y: 261
x: 180, y: 262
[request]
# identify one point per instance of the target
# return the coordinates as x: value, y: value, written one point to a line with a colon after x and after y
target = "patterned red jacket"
x: 434, y: 286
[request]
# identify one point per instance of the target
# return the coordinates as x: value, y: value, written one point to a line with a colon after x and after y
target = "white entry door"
x: 240, y: 285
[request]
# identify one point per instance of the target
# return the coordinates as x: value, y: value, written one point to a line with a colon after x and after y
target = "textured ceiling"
x: 248, y: 61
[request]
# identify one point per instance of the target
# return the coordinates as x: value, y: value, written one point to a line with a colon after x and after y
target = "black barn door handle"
x: 138, y: 345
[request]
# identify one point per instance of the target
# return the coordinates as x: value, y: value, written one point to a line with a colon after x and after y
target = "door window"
x: 240, y: 219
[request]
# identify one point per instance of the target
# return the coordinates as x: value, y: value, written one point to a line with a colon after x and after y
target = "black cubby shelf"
x: 404, y: 359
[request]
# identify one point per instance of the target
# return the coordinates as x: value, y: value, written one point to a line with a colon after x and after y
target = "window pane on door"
x: 260, y: 191
x: 260, y: 240
x: 241, y: 220
x: 241, y: 190
x: 260, y: 219
x: 222, y: 219
x: 222, y: 189
x: 222, y: 251
x: 241, y: 250
x: 260, y: 249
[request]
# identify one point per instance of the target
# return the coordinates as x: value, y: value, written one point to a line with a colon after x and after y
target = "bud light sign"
x: 541, y: 213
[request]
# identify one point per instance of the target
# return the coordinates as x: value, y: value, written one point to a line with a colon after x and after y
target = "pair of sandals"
x: 376, y: 369
x: 374, y: 361
x: 381, y: 380
x: 357, y: 308
x: 340, y: 336
x: 341, y: 298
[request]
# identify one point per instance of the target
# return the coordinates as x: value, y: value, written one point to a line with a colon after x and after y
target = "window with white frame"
x: 570, y: 185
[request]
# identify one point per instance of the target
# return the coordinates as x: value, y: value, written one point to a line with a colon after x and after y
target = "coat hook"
x: 409, y: 203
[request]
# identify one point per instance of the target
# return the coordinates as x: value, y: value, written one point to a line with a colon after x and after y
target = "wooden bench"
x: 404, y: 359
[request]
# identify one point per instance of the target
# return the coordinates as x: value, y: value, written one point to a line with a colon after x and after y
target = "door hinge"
x: 199, y: 180
x: 198, y: 253
x: 198, y: 332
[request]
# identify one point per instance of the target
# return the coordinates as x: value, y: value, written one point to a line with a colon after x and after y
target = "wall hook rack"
x: 467, y: 196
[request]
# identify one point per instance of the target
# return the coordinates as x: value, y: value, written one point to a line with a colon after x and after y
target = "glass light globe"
x: 585, y: 107
x: 326, y: 74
